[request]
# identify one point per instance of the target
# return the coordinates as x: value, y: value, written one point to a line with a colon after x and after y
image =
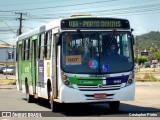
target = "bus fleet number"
x: 72, y: 59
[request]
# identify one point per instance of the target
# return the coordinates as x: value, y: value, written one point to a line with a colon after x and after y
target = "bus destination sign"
x: 94, y: 23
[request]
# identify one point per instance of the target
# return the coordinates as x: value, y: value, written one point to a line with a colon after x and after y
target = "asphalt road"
x: 147, y: 100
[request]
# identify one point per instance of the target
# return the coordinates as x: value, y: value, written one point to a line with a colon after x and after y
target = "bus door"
x: 34, y: 64
x: 20, y: 66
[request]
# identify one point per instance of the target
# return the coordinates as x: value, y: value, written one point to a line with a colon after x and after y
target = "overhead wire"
x: 140, y: 9
x: 128, y: 10
x: 8, y: 26
x: 69, y: 5
x: 50, y: 1
x: 98, y: 6
x: 41, y: 19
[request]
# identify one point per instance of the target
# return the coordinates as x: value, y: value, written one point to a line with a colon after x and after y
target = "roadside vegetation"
x: 8, y: 82
x: 148, y: 75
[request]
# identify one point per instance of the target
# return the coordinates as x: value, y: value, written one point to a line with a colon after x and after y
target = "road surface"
x: 147, y: 100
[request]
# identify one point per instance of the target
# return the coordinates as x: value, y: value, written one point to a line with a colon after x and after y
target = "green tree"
x: 142, y: 59
x: 151, y: 50
x: 135, y: 59
x: 156, y: 55
x: 151, y: 39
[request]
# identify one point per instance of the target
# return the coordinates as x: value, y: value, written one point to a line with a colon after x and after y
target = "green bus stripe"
x: 86, y: 81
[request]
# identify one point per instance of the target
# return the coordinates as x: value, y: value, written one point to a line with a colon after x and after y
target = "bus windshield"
x: 97, y: 52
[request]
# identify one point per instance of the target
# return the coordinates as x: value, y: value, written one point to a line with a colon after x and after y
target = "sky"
x: 144, y: 15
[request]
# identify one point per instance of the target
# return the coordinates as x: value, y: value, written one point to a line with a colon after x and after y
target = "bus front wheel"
x: 29, y: 97
x: 114, y: 106
x: 53, y: 104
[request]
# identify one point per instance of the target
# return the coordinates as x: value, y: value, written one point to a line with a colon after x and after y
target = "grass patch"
x: 8, y: 82
x: 148, y: 70
x: 147, y: 78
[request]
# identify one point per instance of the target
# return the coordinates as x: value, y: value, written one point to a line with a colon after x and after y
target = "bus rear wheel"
x: 114, y: 106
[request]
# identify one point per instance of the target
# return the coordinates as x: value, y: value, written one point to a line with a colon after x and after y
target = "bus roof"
x: 41, y: 29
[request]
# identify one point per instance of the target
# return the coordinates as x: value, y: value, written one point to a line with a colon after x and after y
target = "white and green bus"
x: 71, y: 60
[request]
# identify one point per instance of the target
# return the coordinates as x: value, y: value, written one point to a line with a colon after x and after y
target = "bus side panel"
x: 19, y: 67
x: 43, y: 75
x: 26, y: 75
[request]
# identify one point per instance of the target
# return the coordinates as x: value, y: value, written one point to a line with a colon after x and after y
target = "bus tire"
x: 53, y: 105
x: 29, y: 97
x: 114, y: 106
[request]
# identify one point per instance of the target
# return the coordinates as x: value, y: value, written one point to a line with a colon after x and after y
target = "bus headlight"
x: 129, y: 82
x: 64, y: 77
x: 67, y: 83
x: 131, y: 75
x: 130, y: 79
x: 65, y: 80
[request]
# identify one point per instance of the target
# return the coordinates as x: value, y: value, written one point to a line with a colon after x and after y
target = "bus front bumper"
x: 71, y: 95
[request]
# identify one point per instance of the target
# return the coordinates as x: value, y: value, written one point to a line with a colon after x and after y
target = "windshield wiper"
x: 111, y: 38
x: 79, y: 31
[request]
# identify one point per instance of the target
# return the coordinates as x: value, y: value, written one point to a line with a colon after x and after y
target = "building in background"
x: 7, y: 54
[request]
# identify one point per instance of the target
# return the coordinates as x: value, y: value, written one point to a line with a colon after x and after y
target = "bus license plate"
x: 100, y: 95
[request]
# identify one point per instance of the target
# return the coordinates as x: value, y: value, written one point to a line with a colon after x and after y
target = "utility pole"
x: 20, y: 19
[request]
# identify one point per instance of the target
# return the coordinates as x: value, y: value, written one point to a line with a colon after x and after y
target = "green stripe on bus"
x: 86, y: 81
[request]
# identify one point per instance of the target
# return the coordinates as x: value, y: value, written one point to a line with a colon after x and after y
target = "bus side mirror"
x: 57, y: 38
x: 132, y: 38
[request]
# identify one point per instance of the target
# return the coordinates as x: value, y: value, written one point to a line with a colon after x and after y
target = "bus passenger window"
x: 41, y: 46
x: 24, y: 47
x: 47, y: 46
x: 28, y: 49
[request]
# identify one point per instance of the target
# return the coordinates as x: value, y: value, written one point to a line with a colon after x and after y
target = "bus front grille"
x: 98, y: 88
